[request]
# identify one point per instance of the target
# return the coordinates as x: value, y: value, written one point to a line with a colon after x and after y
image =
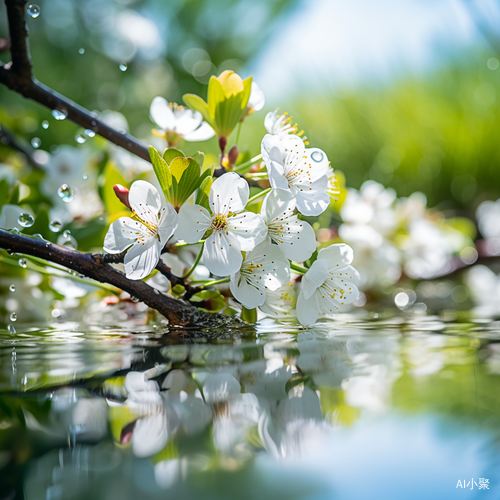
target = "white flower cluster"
x: 392, y: 236
x: 254, y: 250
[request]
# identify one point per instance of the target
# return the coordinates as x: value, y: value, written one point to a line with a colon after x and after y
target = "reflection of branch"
x: 9, y: 140
x: 17, y: 76
x: 176, y: 311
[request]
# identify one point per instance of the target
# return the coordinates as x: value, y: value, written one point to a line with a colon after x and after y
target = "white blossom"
x: 293, y: 236
x: 264, y: 267
x: 303, y: 172
x: 280, y: 303
x: 328, y: 284
x: 233, y: 230
x: 179, y: 120
x: 257, y: 100
x: 280, y: 125
x: 152, y: 224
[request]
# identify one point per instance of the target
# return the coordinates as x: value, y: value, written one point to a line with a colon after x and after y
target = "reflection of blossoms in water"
x: 484, y: 287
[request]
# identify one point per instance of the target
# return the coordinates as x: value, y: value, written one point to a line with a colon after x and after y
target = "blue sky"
x: 345, y: 42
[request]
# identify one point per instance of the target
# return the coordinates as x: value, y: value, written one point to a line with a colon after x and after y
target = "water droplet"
x: 90, y: 133
x: 134, y: 299
x: 65, y: 192
x: 55, y: 226
x: 14, y: 230
x: 81, y: 50
x: 13, y: 317
x: 24, y: 380
x: 93, y: 123
x: 123, y: 67
x: 45, y: 124
x: 12, y: 288
x: 59, y: 114
x: 11, y: 329
x: 26, y: 220
x: 36, y: 142
x: 85, y: 177
x: 33, y: 11
x: 317, y: 156
x: 67, y: 233
x: 70, y: 244
x: 80, y: 139
x: 38, y: 236
x: 22, y: 263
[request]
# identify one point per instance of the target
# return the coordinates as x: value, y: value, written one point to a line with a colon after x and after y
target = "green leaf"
x: 14, y: 195
x: 203, y: 192
x: 112, y: 176
x: 198, y: 104
x: 172, y: 153
x: 186, y: 172
x: 249, y: 315
x: 213, y: 300
x: 162, y: 173
x: 199, y: 157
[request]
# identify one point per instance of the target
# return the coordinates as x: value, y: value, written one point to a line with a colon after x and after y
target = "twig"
x: 176, y: 311
x: 9, y: 140
x: 18, y: 76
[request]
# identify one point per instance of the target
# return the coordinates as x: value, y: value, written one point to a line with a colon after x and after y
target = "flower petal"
x: 202, y: 133
x: 168, y: 222
x: 229, y: 193
x: 142, y: 258
x: 145, y: 201
x: 162, y: 114
x: 337, y: 256
x: 222, y: 254
x: 250, y: 294
x: 312, y: 199
x: 187, y: 120
x: 257, y: 98
x: 248, y: 228
x: 299, y: 241
x: 122, y: 233
x: 307, y: 309
x: 314, y: 278
x: 276, y: 203
x: 193, y: 221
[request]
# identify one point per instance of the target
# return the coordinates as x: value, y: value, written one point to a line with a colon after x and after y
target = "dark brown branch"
x: 8, y: 139
x: 18, y: 77
x: 176, y: 311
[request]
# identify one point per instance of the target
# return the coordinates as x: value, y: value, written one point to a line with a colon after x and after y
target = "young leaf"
x: 249, y: 315
x: 198, y: 104
x: 162, y: 173
x: 203, y: 192
x: 172, y: 153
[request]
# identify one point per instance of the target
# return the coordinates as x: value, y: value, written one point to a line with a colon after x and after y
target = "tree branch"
x: 18, y: 77
x: 93, y: 266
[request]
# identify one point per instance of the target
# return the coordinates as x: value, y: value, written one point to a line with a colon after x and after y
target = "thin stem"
x: 184, y: 244
x: 247, y: 164
x: 196, y: 262
x: 238, y: 133
x: 298, y: 269
x: 215, y: 282
x: 258, y: 195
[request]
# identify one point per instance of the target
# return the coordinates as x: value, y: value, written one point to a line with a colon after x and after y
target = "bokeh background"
x: 405, y: 93
x: 402, y: 93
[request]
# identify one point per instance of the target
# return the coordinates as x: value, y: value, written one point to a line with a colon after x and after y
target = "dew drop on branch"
x: 59, y: 114
x: 12, y: 288
x: 36, y: 142
x: 89, y: 133
x: 123, y: 67
x: 33, y: 10
x: 13, y: 317
x: 80, y: 139
x: 67, y: 233
x: 22, y: 263
x: 11, y: 329
x: 66, y: 193
x: 45, y: 124
x: 26, y: 220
